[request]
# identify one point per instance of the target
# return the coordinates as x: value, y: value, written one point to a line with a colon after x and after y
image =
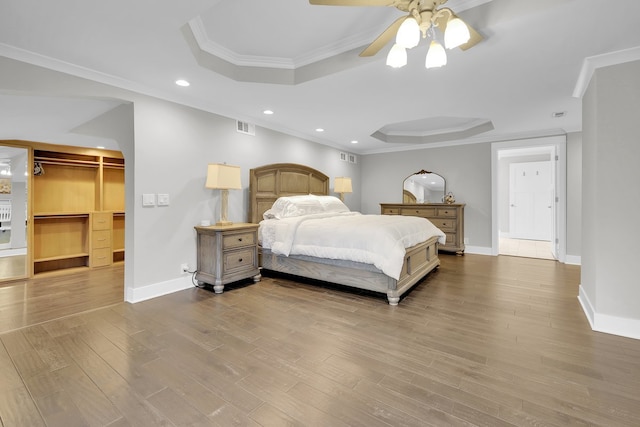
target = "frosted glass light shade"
x: 222, y: 176
x: 397, y: 56
x: 436, y: 56
x: 408, y: 34
x: 456, y: 33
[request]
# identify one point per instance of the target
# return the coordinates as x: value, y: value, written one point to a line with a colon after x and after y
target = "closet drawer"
x: 101, y: 221
x: 100, y: 257
x: 101, y: 239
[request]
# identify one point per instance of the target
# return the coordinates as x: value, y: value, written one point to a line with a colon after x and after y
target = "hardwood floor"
x: 482, y: 341
x: 55, y: 295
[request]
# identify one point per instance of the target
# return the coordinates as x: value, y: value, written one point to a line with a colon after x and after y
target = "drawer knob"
x: 239, y: 239
x: 240, y: 260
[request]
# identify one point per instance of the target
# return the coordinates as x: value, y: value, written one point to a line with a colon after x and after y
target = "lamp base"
x: 224, y: 223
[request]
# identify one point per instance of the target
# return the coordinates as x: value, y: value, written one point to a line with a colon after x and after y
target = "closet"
x: 76, y: 208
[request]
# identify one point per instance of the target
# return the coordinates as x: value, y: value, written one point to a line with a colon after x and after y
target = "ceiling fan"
x: 423, y: 16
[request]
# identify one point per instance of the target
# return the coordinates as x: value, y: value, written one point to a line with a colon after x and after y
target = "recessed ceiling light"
x: 182, y: 83
x: 268, y: 112
x: 100, y: 147
x: 319, y: 130
x: 354, y: 141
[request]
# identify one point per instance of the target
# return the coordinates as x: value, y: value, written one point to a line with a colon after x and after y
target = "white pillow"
x: 332, y: 204
x: 292, y: 206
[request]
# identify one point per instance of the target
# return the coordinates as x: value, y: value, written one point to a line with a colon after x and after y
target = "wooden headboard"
x: 267, y: 183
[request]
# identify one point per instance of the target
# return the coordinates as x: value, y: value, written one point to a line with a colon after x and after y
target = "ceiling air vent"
x: 244, y: 127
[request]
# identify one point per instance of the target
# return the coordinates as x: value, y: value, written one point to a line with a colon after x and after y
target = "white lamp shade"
x: 436, y: 56
x: 408, y: 34
x: 397, y: 56
x: 456, y: 33
x: 222, y: 176
x: 342, y: 185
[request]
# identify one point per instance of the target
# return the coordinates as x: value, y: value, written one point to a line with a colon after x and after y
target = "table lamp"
x: 342, y: 185
x: 223, y: 177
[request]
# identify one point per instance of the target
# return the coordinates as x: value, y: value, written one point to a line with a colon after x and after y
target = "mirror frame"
x: 408, y: 194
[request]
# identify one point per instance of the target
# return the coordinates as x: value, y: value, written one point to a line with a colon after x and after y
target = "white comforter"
x: 380, y: 240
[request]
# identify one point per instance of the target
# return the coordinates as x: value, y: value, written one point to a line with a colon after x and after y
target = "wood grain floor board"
x: 482, y: 341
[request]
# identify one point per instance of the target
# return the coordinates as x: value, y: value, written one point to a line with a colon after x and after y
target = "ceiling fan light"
x: 456, y: 33
x: 397, y: 56
x: 436, y: 56
x: 408, y: 34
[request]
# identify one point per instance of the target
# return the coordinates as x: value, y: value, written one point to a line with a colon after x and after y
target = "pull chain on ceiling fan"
x: 423, y: 17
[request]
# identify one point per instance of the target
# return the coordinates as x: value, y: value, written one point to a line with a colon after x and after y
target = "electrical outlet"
x: 184, y: 267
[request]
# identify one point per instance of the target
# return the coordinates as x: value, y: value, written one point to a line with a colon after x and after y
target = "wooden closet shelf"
x: 59, y: 257
x: 70, y: 162
x: 54, y: 215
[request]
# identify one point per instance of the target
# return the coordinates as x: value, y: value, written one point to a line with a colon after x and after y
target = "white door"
x: 530, y: 201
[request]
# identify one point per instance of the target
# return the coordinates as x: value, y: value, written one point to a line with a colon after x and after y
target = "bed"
x: 271, y: 182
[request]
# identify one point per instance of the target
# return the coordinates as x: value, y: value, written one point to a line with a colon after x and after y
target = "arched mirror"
x: 423, y: 187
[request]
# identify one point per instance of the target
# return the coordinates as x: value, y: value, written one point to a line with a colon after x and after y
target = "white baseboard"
x: 621, y: 326
x: 478, y: 250
x: 143, y: 293
x: 573, y: 259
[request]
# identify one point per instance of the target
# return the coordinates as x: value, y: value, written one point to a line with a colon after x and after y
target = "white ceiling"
x: 301, y: 61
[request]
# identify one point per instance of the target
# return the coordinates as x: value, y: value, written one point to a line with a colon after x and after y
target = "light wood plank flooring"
x: 55, y: 295
x: 482, y: 341
x: 526, y: 248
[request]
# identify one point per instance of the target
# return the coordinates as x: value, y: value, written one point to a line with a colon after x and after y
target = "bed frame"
x: 269, y: 182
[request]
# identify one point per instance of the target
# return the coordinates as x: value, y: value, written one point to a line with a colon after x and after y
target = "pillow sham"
x: 292, y: 206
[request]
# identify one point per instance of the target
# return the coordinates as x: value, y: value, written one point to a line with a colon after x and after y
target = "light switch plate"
x: 148, y: 200
x: 163, y: 200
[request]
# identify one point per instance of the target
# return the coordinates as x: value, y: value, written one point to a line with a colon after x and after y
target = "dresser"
x: 447, y: 217
x: 227, y: 254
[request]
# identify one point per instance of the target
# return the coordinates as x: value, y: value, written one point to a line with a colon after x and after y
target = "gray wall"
x: 466, y: 169
x: 167, y: 147
x: 574, y: 195
x: 610, y: 199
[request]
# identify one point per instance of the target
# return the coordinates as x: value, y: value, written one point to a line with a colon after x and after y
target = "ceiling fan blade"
x: 473, y: 40
x: 475, y: 36
x: 353, y: 2
x: 383, y: 38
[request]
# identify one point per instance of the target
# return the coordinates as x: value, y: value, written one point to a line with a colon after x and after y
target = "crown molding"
x: 592, y: 63
x: 207, y: 45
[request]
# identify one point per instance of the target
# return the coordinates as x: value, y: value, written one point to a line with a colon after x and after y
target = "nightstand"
x: 227, y: 254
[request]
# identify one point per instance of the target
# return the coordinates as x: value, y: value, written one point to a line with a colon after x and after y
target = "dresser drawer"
x: 390, y: 211
x: 239, y: 259
x: 101, y: 221
x: 101, y: 257
x: 447, y: 212
x: 101, y: 239
x: 238, y: 240
x: 452, y: 238
x: 446, y: 225
x: 421, y: 212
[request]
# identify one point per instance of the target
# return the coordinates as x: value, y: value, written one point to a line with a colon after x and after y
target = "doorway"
x: 13, y: 212
x: 528, y: 186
